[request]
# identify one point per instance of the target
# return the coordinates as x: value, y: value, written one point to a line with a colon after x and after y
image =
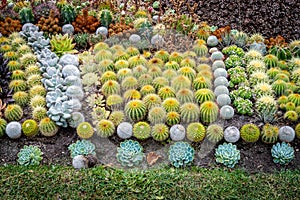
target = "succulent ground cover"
x: 109, y: 78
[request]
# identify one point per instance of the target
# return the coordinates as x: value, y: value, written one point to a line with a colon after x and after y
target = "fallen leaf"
x: 152, y: 158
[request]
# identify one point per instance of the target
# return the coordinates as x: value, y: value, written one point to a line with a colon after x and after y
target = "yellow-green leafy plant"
x: 62, y: 44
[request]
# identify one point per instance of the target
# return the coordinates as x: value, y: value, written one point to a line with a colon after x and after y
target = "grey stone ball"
x: 231, y: 134
x: 212, y: 41
x: 177, y: 132
x: 80, y: 162
x: 286, y: 134
x: 157, y: 40
x: 13, y: 130
x: 102, y: 31
x: 124, y: 130
x: 134, y: 38
x: 68, y: 29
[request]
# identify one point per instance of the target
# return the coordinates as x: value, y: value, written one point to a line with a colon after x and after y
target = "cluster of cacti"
x: 49, y: 23
x: 85, y: 23
x: 250, y: 133
x: 130, y: 153
x: 9, y: 25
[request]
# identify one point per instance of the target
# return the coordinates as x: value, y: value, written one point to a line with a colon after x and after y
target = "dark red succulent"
x: 5, y: 92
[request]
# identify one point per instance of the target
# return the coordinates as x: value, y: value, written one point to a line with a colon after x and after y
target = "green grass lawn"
x: 56, y: 182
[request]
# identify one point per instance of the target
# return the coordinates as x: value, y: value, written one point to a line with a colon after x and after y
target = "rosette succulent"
x: 181, y: 154
x: 82, y: 147
x: 130, y: 153
x: 227, y: 154
x: 282, y: 153
x: 30, y: 155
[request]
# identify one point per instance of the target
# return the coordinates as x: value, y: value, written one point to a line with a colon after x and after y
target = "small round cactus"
x: 297, y: 130
x: 189, y: 112
x: 145, y: 79
x: 13, y: 130
x: 21, y: 98
x: 291, y: 115
x: 209, y: 112
x: 214, y: 133
x: 218, y: 64
x: 3, y: 125
x: 227, y: 154
x: 217, y: 55
x: 30, y: 128
x: 221, y: 81
x: 151, y: 100
x: 180, y: 82
x: 18, y: 75
x: 188, y: 72
x: 129, y: 83
x: 172, y: 65
x: 171, y: 104
x: 160, y: 82
x: 220, y: 72
x: 85, y: 130
x: 37, y: 90
x: 177, y: 132
x: 195, y: 132
x: 286, y: 134
x: 269, y: 134
x: 37, y: 100
x: 250, y: 133
x: 105, y: 128
x: 201, y: 82
x: 17, y: 85
x: 166, y: 92
x: 147, y: 89
x: 181, y: 154
x: 13, y: 112
x: 39, y: 113
x: 160, y: 132
x: 157, y: 115
x: 295, y: 98
x: 124, y: 130
x: 212, y: 41
x: 282, y: 153
x: 279, y: 87
x: 185, y: 96
x: 231, y: 134
x: 172, y: 118
x: 141, y: 130
x: 204, y: 95
x: 48, y: 127
x: 110, y: 87
x: 135, y: 110
x: 176, y: 56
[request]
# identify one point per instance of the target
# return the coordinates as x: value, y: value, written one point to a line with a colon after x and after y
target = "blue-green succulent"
x: 82, y: 147
x: 181, y: 154
x: 282, y: 153
x: 227, y: 154
x: 30, y: 155
x: 130, y: 153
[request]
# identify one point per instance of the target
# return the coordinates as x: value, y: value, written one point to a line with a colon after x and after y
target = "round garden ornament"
x: 68, y: 29
x: 102, y: 31
x: 177, y: 132
x: 231, y: 134
x: 124, y: 130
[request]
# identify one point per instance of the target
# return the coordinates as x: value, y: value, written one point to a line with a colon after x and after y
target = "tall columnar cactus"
x: 106, y: 17
x: 26, y: 15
